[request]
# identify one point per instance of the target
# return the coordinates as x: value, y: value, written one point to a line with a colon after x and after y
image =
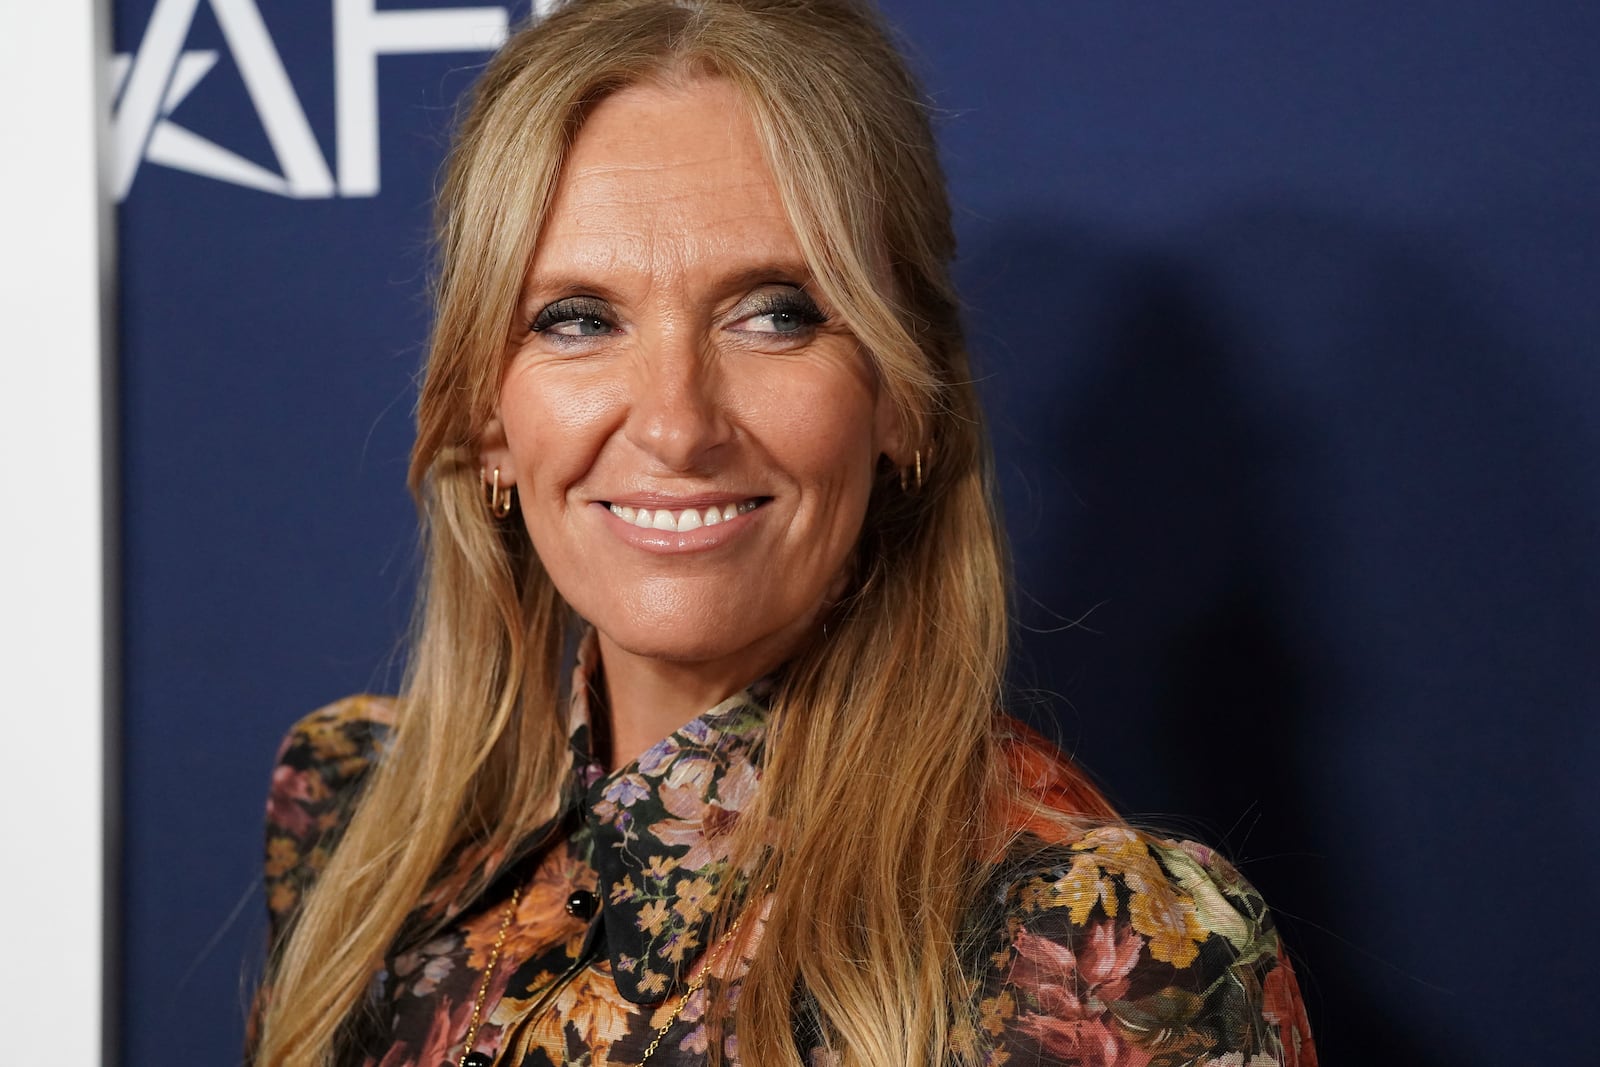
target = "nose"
x: 678, y: 415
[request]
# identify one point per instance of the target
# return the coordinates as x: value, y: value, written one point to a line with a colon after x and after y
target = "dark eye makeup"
x: 789, y: 308
x: 592, y: 316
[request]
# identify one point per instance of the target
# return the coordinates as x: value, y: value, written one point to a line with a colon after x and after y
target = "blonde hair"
x: 866, y: 924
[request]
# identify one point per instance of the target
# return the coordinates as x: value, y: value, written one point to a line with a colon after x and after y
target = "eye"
x: 783, y: 321
x: 785, y: 311
x: 574, y: 316
x: 582, y: 326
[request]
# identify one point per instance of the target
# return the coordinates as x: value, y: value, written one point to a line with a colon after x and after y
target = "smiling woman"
x: 698, y: 424
x: 682, y: 418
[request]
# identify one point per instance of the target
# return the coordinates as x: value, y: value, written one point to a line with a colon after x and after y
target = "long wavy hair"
x: 888, y: 724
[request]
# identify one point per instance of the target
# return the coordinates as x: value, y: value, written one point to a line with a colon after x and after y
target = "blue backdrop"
x: 1287, y: 317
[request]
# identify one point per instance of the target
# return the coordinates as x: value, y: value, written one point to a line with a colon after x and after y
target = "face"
x: 692, y: 431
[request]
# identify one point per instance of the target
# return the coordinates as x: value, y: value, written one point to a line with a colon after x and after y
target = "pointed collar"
x: 660, y: 831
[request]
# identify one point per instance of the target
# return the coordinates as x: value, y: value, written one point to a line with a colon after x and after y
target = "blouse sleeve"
x: 1126, y: 950
x: 321, y: 766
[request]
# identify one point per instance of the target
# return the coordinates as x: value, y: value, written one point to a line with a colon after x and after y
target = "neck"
x: 647, y: 699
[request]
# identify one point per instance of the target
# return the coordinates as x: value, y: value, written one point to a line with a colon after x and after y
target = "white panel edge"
x: 53, y: 300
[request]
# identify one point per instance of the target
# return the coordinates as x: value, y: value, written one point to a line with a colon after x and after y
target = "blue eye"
x: 784, y: 321
x: 577, y: 316
x: 582, y: 326
x: 785, y: 311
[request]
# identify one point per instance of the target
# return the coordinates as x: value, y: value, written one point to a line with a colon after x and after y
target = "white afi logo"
x: 148, y: 86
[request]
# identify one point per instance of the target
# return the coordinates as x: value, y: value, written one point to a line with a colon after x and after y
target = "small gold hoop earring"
x: 905, y: 482
x: 500, y: 504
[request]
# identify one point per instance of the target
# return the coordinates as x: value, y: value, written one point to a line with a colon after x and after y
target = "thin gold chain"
x: 488, y: 973
x: 697, y: 983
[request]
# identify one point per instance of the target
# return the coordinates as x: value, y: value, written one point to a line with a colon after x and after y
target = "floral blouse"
x: 1117, y: 949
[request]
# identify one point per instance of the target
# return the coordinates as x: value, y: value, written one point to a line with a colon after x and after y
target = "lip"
x: 671, y: 542
x: 678, y: 503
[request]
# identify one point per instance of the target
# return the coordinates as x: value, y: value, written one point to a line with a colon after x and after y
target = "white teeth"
x: 684, y: 521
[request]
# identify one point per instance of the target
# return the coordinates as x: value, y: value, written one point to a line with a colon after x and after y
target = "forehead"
x: 666, y: 178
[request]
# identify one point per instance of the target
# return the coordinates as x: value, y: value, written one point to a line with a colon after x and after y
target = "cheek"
x: 826, y: 443
x: 822, y: 432
x: 553, y: 429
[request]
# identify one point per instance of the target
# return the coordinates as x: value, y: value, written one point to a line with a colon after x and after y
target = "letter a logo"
x: 162, y: 74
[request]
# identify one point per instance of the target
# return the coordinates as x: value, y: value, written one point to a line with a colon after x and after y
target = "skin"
x: 669, y: 361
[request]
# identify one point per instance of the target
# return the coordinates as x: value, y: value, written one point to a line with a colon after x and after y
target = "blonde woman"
x: 698, y: 432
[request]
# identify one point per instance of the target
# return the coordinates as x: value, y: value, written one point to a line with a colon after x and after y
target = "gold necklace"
x: 488, y: 973
x: 696, y: 984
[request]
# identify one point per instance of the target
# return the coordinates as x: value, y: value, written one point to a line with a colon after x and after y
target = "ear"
x: 493, y: 452
x: 889, y: 429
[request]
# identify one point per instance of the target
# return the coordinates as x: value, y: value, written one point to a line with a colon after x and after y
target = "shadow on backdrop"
x: 1301, y: 561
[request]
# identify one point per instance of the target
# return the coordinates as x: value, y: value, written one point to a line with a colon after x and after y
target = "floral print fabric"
x: 1113, y: 950
x: 1128, y: 951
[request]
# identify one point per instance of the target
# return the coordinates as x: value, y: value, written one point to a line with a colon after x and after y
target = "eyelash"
x: 568, y: 310
x: 789, y: 300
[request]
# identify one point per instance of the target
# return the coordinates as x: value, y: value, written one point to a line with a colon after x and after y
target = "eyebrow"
x: 788, y: 272
x: 572, y: 283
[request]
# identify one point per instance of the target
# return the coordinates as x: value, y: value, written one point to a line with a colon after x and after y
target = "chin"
x: 675, y: 639
x: 717, y: 623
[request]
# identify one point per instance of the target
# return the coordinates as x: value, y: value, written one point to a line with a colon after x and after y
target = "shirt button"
x: 582, y: 904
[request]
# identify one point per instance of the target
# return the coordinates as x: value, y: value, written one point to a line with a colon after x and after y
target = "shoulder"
x: 1124, y: 947
x: 1174, y: 901
x: 321, y: 765
x: 1097, y: 942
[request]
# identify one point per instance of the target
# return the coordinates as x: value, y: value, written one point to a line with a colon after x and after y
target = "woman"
x: 698, y: 417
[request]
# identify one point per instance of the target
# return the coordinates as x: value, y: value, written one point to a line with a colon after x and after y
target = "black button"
x: 478, y: 1059
x: 583, y: 904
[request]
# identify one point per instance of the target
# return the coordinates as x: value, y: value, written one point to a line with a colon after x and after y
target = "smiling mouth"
x: 682, y: 520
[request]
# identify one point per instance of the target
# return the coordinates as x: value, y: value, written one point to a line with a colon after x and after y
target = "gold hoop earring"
x: 905, y: 482
x: 500, y: 504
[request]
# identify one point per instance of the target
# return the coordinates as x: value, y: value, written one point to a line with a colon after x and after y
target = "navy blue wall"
x: 1287, y: 316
